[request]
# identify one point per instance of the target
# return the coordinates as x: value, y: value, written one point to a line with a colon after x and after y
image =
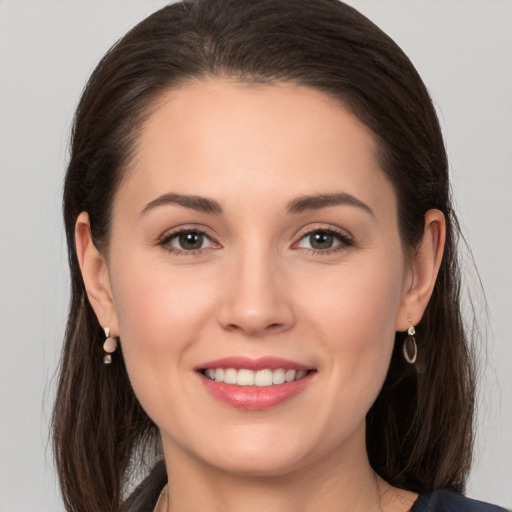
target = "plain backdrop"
x: 462, y: 49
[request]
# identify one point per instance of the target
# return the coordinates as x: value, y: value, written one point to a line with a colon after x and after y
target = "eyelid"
x: 344, y: 237
x: 164, y: 240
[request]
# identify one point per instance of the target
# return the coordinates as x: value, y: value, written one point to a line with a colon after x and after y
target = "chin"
x: 263, y: 466
x: 260, y: 455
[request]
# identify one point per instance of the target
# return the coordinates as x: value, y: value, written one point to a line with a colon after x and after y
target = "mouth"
x: 253, y: 384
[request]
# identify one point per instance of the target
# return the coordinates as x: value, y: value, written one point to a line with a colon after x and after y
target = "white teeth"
x: 289, y: 375
x: 278, y: 376
x: 263, y: 378
x: 230, y: 376
x: 245, y: 378
x: 260, y: 378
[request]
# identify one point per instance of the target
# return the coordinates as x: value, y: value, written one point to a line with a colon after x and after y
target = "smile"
x: 255, y: 384
x: 261, y: 378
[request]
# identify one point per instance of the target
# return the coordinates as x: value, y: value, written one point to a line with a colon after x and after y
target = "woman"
x: 258, y: 218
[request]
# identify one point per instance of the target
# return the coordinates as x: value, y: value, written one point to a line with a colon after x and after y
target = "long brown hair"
x: 419, y: 431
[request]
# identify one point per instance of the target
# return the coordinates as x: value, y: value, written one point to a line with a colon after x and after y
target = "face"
x: 257, y: 276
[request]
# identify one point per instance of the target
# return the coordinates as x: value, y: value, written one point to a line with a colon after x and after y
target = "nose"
x: 256, y: 299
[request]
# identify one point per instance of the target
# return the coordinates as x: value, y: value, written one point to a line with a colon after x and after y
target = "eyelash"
x: 166, y: 239
x: 344, y: 239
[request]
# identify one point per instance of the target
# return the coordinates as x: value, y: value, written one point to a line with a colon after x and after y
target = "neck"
x: 332, y: 484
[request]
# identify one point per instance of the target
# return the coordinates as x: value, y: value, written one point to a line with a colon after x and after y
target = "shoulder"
x: 145, y: 496
x: 444, y: 500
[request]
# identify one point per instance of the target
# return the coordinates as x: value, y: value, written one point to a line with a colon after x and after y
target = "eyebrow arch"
x: 315, y: 202
x: 201, y: 204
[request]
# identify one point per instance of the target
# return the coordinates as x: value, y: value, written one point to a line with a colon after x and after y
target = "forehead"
x: 218, y: 135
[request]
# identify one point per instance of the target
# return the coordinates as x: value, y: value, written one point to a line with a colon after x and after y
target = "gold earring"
x: 109, y: 347
x: 409, y: 348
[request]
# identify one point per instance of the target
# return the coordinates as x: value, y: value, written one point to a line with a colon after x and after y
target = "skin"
x: 256, y: 288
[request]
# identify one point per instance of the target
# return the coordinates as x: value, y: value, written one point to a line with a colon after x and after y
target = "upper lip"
x: 248, y: 363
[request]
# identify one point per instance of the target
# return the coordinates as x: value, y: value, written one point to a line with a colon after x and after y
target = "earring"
x: 409, y: 348
x: 109, y: 346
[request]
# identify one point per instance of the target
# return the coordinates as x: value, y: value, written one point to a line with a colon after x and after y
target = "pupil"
x: 321, y: 240
x: 191, y: 240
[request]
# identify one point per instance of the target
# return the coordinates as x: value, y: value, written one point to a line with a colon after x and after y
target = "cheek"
x: 359, y: 303
x: 154, y: 301
x: 160, y: 314
x: 355, y: 318
x: 358, y: 327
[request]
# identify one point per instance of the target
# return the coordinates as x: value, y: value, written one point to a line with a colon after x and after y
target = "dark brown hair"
x: 419, y: 431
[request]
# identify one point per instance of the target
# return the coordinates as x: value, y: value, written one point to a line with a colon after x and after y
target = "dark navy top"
x: 443, y: 500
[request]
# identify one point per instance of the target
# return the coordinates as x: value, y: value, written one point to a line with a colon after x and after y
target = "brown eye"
x: 190, y: 240
x: 321, y: 240
x: 324, y: 240
x: 187, y: 240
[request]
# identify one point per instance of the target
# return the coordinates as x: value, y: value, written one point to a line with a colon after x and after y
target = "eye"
x: 187, y: 241
x: 324, y: 240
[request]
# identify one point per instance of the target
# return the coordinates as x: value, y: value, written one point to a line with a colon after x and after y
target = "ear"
x: 95, y: 275
x: 424, y: 267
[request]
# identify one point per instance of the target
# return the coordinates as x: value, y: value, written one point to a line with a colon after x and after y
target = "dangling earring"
x: 410, y: 349
x: 109, y: 346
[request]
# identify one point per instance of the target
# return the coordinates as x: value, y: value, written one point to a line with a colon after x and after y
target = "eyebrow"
x: 298, y: 205
x: 200, y: 204
x: 316, y: 202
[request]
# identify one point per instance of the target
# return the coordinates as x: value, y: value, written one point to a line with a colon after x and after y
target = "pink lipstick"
x: 253, y: 384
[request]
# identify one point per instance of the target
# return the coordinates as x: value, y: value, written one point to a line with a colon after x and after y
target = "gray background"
x: 463, y: 50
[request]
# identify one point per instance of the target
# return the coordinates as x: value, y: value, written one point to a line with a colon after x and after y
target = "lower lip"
x: 254, y: 397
